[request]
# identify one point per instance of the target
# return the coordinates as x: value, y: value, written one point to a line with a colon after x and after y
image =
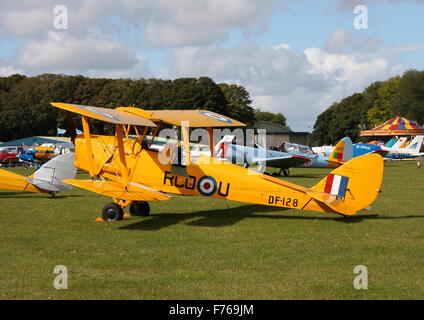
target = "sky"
x: 296, y: 57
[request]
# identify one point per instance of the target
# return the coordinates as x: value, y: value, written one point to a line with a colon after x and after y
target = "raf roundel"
x: 216, y: 116
x: 206, y: 186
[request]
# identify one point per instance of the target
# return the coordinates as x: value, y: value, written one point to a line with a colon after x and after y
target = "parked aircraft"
x: 287, y: 155
x: 132, y: 174
x: 400, y: 148
x: 414, y: 149
x: 9, y: 156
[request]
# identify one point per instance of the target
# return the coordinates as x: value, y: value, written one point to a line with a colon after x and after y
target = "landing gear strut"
x: 112, y: 212
x: 139, y: 208
x: 286, y: 172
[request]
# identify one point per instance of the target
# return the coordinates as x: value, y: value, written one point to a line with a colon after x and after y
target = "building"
x: 277, y: 134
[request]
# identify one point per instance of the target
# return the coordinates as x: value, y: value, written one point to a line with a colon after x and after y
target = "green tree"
x: 278, y: 118
x: 238, y: 102
x: 383, y: 109
x: 409, y: 99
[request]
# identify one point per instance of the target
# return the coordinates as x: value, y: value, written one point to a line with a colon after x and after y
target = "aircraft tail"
x: 351, y: 187
x: 14, y: 181
x: 399, y: 143
x: 221, y: 146
x: 416, y: 144
x: 342, y: 152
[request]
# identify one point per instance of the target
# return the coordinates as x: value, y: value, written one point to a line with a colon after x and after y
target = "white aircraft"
x: 414, y: 149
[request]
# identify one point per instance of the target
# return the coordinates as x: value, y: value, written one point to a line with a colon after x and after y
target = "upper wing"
x: 284, y: 162
x: 195, y: 118
x: 133, y: 192
x: 104, y: 114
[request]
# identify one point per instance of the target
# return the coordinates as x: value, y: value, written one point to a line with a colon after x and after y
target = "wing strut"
x: 211, y: 142
x: 123, y: 162
x: 87, y: 137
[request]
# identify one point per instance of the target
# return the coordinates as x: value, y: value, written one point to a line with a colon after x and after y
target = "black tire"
x: 139, y: 208
x: 286, y: 172
x: 112, y: 212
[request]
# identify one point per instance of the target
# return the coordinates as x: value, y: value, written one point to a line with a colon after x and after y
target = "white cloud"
x: 299, y: 85
x: 191, y: 22
x: 338, y: 41
x: 163, y: 22
x: 7, y: 70
x: 60, y: 52
x: 106, y: 38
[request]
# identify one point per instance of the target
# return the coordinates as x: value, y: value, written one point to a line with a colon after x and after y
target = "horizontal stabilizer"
x: 133, y: 192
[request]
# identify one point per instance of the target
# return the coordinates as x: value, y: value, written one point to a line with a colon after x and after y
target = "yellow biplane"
x: 133, y: 174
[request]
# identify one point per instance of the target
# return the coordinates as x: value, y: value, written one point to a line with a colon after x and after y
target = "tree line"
x: 25, y: 101
x: 377, y: 103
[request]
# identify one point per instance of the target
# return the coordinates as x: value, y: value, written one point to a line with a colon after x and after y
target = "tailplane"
x: 351, y: 187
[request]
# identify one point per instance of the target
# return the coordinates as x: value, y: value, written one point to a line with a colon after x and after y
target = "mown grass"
x: 198, y: 248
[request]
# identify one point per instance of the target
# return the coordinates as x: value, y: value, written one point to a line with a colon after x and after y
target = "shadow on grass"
x: 359, y: 218
x: 29, y: 195
x: 230, y: 216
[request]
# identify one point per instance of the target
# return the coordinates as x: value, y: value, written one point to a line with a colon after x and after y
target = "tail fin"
x: 415, y: 145
x: 221, y: 146
x: 342, y: 152
x: 351, y: 187
x: 401, y: 141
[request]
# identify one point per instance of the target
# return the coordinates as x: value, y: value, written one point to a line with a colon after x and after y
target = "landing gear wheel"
x: 286, y: 172
x: 139, y: 208
x: 112, y: 212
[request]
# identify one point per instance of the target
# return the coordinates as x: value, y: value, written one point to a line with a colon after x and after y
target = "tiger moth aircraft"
x: 132, y: 174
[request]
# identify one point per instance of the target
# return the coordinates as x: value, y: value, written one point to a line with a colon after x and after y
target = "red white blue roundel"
x: 216, y: 116
x: 206, y: 186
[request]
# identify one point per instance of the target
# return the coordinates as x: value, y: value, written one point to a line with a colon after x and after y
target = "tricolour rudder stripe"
x: 354, y: 185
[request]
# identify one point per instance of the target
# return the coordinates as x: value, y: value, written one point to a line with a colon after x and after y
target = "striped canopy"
x: 399, y: 123
x: 396, y: 126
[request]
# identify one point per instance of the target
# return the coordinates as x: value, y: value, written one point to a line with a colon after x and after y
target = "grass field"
x: 198, y: 248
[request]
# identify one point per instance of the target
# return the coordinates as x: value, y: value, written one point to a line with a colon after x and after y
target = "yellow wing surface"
x: 105, y: 114
x: 13, y: 181
x: 133, y: 192
x: 195, y: 118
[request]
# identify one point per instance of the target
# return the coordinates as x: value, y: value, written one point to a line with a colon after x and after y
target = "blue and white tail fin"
x: 415, y: 145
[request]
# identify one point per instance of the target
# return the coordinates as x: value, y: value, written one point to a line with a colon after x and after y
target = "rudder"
x: 351, y: 187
